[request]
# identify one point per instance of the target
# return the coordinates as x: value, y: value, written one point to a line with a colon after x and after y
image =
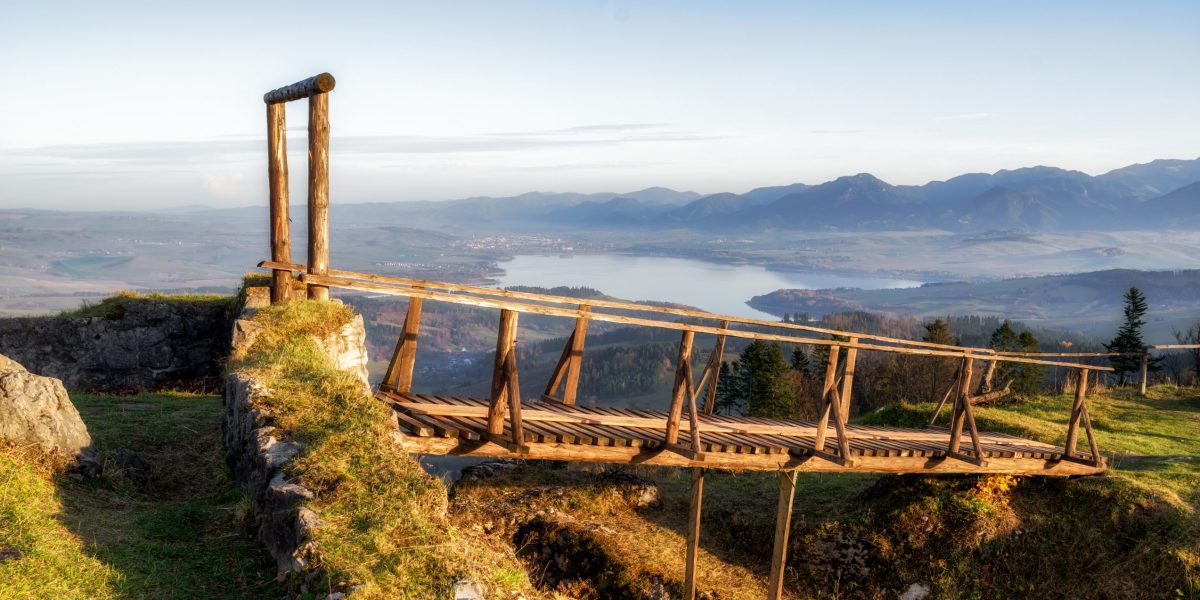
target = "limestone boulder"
x: 37, y: 411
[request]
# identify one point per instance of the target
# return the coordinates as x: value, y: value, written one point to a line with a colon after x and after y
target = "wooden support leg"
x: 848, y: 379
x: 826, y: 396
x: 576, y: 359
x: 783, y: 524
x: 505, y: 341
x: 952, y: 389
x: 714, y: 367
x: 560, y: 369
x: 1076, y: 414
x: 962, y: 400
x: 399, y: 376
x: 1145, y: 371
x: 693, y: 534
x: 680, y: 389
x: 514, y: 399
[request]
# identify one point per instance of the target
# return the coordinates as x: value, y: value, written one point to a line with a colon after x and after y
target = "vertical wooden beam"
x: 399, y: 376
x: 714, y: 367
x: 576, y: 359
x: 848, y: 379
x: 961, y: 400
x: 1145, y: 369
x: 514, y: 398
x: 826, y: 397
x: 1076, y: 414
x: 318, y: 192
x: 277, y: 181
x: 505, y: 342
x: 693, y: 533
x: 685, y: 355
x: 783, y: 525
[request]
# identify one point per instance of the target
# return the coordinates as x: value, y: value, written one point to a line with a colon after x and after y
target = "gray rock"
x: 916, y: 591
x: 36, y: 410
x: 466, y: 589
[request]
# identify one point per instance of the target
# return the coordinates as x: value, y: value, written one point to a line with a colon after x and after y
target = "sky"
x: 151, y: 105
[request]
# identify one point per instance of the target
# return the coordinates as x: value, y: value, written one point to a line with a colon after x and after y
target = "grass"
x: 174, y: 531
x: 384, y: 529
x: 113, y: 307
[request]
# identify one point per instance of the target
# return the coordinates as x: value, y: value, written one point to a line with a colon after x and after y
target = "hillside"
x: 1089, y: 302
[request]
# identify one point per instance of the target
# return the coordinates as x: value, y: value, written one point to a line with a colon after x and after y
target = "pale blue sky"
x: 155, y: 104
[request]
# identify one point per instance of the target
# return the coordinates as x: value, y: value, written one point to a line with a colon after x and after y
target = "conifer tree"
x: 1128, y: 342
x: 800, y: 360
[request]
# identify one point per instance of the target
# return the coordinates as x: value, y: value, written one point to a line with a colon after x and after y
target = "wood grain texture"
x: 318, y: 192
x: 317, y: 84
x: 783, y: 526
x: 277, y: 183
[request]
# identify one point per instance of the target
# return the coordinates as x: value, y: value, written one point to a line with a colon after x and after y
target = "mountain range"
x: 1160, y: 194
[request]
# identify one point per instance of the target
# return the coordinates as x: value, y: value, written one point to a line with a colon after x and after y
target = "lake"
x: 713, y: 287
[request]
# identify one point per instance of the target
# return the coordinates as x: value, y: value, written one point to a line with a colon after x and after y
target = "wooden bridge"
x: 550, y: 425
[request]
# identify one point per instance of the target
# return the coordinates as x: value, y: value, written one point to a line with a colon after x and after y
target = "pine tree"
x: 1027, y: 379
x: 759, y: 383
x: 730, y: 395
x: 937, y: 371
x: 1004, y: 339
x: 1128, y: 342
x: 800, y: 360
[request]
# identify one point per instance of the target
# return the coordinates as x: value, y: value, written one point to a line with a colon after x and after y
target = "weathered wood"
x: 578, y: 337
x: 848, y: 378
x: 693, y: 534
x: 985, y: 384
x: 612, y: 318
x: 826, y: 406
x: 992, y: 396
x: 680, y: 387
x: 783, y: 526
x: 693, y: 416
x: 317, y: 84
x: 277, y: 183
x: 505, y: 343
x: 1145, y: 372
x: 514, y: 397
x: 318, y: 191
x: 399, y: 375
x: 1076, y: 413
x: 953, y: 388
x: 960, y: 401
x: 714, y: 367
x: 560, y: 368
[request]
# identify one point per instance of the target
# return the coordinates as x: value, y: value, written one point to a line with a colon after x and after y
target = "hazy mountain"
x: 710, y: 206
x: 661, y: 195
x: 766, y: 195
x: 1157, y: 177
x: 1064, y: 201
x: 858, y: 201
x: 1180, y: 208
x: 617, y: 212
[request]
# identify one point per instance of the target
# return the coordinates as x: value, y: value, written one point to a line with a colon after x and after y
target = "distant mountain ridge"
x: 1158, y: 194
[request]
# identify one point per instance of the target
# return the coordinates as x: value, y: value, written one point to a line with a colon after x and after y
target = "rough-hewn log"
x: 783, y: 525
x: 317, y: 84
x: 714, y: 367
x: 991, y: 396
x: 1076, y: 414
x: 693, y: 534
x: 848, y: 378
x: 506, y: 340
x: 960, y: 401
x: 574, y: 364
x: 277, y: 182
x: 1145, y: 372
x: 318, y: 192
x: 399, y: 376
x: 680, y: 388
x: 826, y: 395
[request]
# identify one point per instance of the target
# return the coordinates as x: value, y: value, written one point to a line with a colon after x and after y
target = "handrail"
x: 555, y: 299
x: 555, y: 311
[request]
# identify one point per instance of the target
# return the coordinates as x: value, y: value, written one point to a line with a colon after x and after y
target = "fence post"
x: 277, y: 180
x: 1145, y: 369
x: 318, y: 191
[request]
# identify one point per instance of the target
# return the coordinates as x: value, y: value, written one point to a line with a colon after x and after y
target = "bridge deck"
x: 554, y: 431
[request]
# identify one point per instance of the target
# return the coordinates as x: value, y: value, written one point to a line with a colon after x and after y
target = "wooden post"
x: 1145, y: 369
x: 318, y: 191
x: 961, y: 403
x: 681, y: 387
x: 1076, y: 414
x: 399, y: 376
x: 783, y: 525
x: 848, y: 379
x: 514, y: 398
x: 714, y: 367
x: 277, y: 181
x: 576, y: 360
x: 693, y: 533
x: 506, y: 340
x: 826, y: 395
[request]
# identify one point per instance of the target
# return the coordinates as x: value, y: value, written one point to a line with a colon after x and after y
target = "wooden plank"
x: 693, y: 534
x: 318, y: 192
x: 399, y: 375
x: 714, y: 366
x: 277, y: 183
x: 783, y: 525
x: 680, y: 388
x: 678, y: 326
x: 506, y: 340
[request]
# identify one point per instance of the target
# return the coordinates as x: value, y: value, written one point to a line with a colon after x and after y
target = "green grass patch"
x: 166, y: 525
x: 113, y: 307
x: 384, y: 524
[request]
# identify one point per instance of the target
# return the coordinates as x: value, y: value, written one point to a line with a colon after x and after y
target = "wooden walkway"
x: 554, y: 431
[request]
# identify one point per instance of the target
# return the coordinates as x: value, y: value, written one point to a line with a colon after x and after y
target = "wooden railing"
x: 687, y: 391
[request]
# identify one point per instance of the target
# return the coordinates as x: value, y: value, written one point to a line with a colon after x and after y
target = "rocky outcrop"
x: 146, y: 344
x: 36, y: 411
